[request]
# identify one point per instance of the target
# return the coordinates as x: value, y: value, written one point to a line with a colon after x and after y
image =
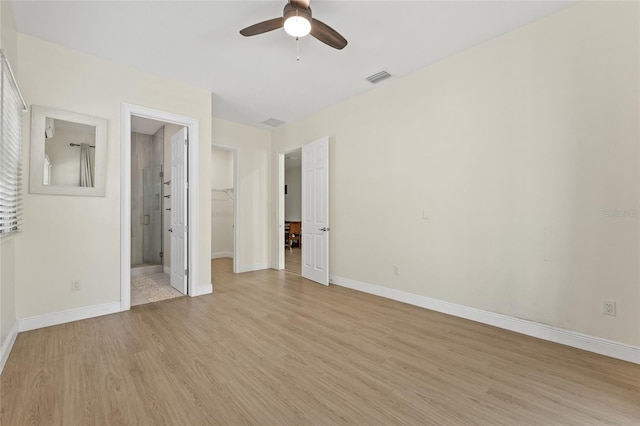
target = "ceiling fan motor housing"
x: 292, y: 10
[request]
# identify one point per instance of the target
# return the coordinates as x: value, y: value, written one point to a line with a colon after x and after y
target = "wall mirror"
x: 68, y: 153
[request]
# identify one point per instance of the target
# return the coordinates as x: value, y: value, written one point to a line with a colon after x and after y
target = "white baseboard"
x: 55, y: 318
x: 221, y: 254
x: 530, y: 328
x: 7, y: 345
x: 202, y: 290
x: 254, y: 267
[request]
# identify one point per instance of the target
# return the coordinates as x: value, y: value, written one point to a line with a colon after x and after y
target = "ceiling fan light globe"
x: 297, y: 26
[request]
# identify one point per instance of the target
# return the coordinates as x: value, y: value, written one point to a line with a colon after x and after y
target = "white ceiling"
x: 146, y: 126
x: 257, y: 78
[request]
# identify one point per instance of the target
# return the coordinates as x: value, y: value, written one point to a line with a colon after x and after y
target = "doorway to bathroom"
x: 151, y: 210
x: 166, y: 203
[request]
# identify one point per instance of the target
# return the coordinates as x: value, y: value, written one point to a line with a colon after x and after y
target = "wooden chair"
x: 294, y: 233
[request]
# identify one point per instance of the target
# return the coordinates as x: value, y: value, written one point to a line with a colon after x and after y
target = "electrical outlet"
x: 609, y: 308
x: 396, y: 270
x: 75, y: 285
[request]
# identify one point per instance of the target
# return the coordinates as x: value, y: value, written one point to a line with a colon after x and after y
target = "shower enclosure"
x: 147, y: 199
x: 152, y: 215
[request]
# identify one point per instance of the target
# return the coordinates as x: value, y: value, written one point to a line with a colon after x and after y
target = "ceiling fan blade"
x: 327, y: 35
x: 263, y: 27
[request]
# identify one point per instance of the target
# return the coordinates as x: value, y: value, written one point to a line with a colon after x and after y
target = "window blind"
x: 11, y: 108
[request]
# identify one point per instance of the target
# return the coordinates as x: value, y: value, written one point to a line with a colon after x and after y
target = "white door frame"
x: 279, y: 225
x: 236, y: 197
x: 193, y: 289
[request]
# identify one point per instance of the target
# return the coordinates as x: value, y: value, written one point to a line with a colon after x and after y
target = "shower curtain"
x: 86, y: 171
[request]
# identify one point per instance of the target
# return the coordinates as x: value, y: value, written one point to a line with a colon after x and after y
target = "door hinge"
x: 186, y: 229
x: 161, y: 254
x: 161, y: 174
x: 186, y: 272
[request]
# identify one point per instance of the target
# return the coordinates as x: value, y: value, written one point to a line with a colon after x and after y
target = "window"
x: 11, y: 107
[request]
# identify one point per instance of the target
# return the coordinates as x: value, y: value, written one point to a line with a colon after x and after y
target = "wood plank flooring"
x: 293, y: 260
x: 270, y: 348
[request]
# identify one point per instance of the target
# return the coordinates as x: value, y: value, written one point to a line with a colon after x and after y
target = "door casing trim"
x: 278, y: 259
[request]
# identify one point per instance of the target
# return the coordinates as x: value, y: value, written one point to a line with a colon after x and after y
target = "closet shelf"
x: 228, y: 191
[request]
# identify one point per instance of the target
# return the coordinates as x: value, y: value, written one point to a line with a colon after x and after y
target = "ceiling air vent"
x: 273, y: 122
x: 378, y: 77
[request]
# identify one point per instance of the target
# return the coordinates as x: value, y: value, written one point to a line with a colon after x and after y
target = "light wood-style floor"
x: 271, y: 348
x: 293, y: 260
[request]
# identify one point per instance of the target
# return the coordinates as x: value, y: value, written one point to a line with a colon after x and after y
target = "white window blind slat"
x: 9, y: 179
x: 11, y: 107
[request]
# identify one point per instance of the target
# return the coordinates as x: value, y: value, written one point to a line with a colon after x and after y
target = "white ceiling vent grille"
x: 273, y: 122
x: 378, y: 77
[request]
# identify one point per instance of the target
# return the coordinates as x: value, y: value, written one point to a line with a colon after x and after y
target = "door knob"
x: 170, y: 229
x: 324, y: 229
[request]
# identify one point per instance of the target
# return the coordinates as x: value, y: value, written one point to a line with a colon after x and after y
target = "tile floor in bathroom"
x: 151, y: 287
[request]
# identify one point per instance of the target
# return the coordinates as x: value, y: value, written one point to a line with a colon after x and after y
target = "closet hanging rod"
x: 77, y: 144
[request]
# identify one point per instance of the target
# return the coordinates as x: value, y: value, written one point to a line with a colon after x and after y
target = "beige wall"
x: 8, y: 34
x: 221, y: 203
x: 254, y: 209
x: 515, y: 149
x: 7, y: 289
x: 78, y: 238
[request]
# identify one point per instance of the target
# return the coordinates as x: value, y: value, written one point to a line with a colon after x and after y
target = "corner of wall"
x: 8, y: 318
x: 8, y: 34
x: 7, y: 344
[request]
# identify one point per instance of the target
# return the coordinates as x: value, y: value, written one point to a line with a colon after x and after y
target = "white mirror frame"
x: 38, y: 122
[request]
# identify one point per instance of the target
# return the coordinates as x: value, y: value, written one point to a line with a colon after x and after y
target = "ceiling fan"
x: 298, y: 22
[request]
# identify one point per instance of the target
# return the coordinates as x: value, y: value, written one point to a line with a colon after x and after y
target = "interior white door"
x: 315, y: 211
x: 179, y: 199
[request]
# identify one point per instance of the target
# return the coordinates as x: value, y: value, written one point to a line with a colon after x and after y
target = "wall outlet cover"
x: 609, y: 308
